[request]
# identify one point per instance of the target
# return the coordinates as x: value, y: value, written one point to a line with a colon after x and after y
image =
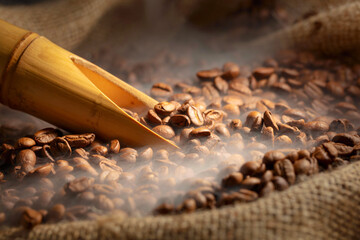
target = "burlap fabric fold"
x: 327, y: 206
x: 332, y: 30
x: 65, y: 22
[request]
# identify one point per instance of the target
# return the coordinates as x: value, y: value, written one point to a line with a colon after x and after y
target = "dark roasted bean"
x: 263, y: 72
x: 46, y: 136
x: 230, y: 70
x: 195, y: 116
x: 233, y: 179
x: 25, y: 142
x: 60, y: 147
x: 99, y: 150
x: 273, y: 156
x: 208, y: 75
x: 56, y: 213
x: 79, y: 185
x: 179, y: 121
x: 26, y: 159
x: 81, y: 140
x: 280, y: 183
x: 114, y: 146
x: 200, y: 133
x: 30, y: 218
x: 161, y: 90
x: 164, y: 108
x: 285, y: 169
x: 164, y: 131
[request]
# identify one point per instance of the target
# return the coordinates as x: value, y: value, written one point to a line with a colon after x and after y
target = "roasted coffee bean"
x: 335, y: 88
x: 267, y: 176
x: 250, y: 183
x: 316, y: 128
x: 188, y: 206
x: 46, y: 136
x: 60, y: 147
x: 230, y: 70
x: 153, y: 117
x: 312, y: 90
x: 26, y: 159
x: 232, y: 110
x: 267, y: 189
x: 79, y: 185
x: 222, y: 130
x: 42, y: 171
x: 254, y: 121
x: 273, y: 156
x: 161, y: 90
x: 302, y: 166
x: 263, y: 72
x: 281, y: 87
x: 99, y: 150
x: 238, y: 87
x: 233, y: 99
x: 179, y: 121
x: 199, y: 133
x: 146, y: 154
x: 56, y: 213
x: 221, y: 85
x: 268, y: 134
x: 235, y: 124
x: 295, y: 113
x: 195, y: 116
x: 164, y: 208
x: 243, y: 195
x: 104, y: 203
x: 114, y: 146
x: 250, y: 168
x: 282, y: 141
x: 2, y: 218
x: 233, y: 179
x: 280, y: 183
x: 30, y: 218
x: 87, y: 168
x: 25, y: 142
x: 208, y: 75
x: 80, y: 140
x: 269, y: 121
x: 215, y: 115
x: 285, y: 169
x: 164, y: 131
x: 86, y: 196
x: 347, y: 139
x: 164, y: 108
x: 340, y: 125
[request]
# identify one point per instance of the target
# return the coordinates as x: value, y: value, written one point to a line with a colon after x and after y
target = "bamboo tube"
x: 44, y: 80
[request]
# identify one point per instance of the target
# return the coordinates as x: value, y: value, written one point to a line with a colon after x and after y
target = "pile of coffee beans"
x: 243, y: 132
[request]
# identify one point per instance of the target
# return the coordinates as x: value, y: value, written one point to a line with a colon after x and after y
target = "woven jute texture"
x: 327, y: 206
x: 65, y: 22
x: 333, y: 30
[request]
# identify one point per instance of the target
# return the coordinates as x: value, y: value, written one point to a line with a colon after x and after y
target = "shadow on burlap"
x: 326, y: 206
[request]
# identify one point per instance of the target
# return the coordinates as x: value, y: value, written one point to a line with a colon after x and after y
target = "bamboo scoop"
x: 44, y: 80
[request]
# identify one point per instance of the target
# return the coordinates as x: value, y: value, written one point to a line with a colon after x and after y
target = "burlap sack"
x: 65, y: 22
x: 333, y: 30
x: 326, y: 206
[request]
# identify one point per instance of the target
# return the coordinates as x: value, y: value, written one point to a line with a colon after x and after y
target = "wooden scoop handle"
x: 42, y: 79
